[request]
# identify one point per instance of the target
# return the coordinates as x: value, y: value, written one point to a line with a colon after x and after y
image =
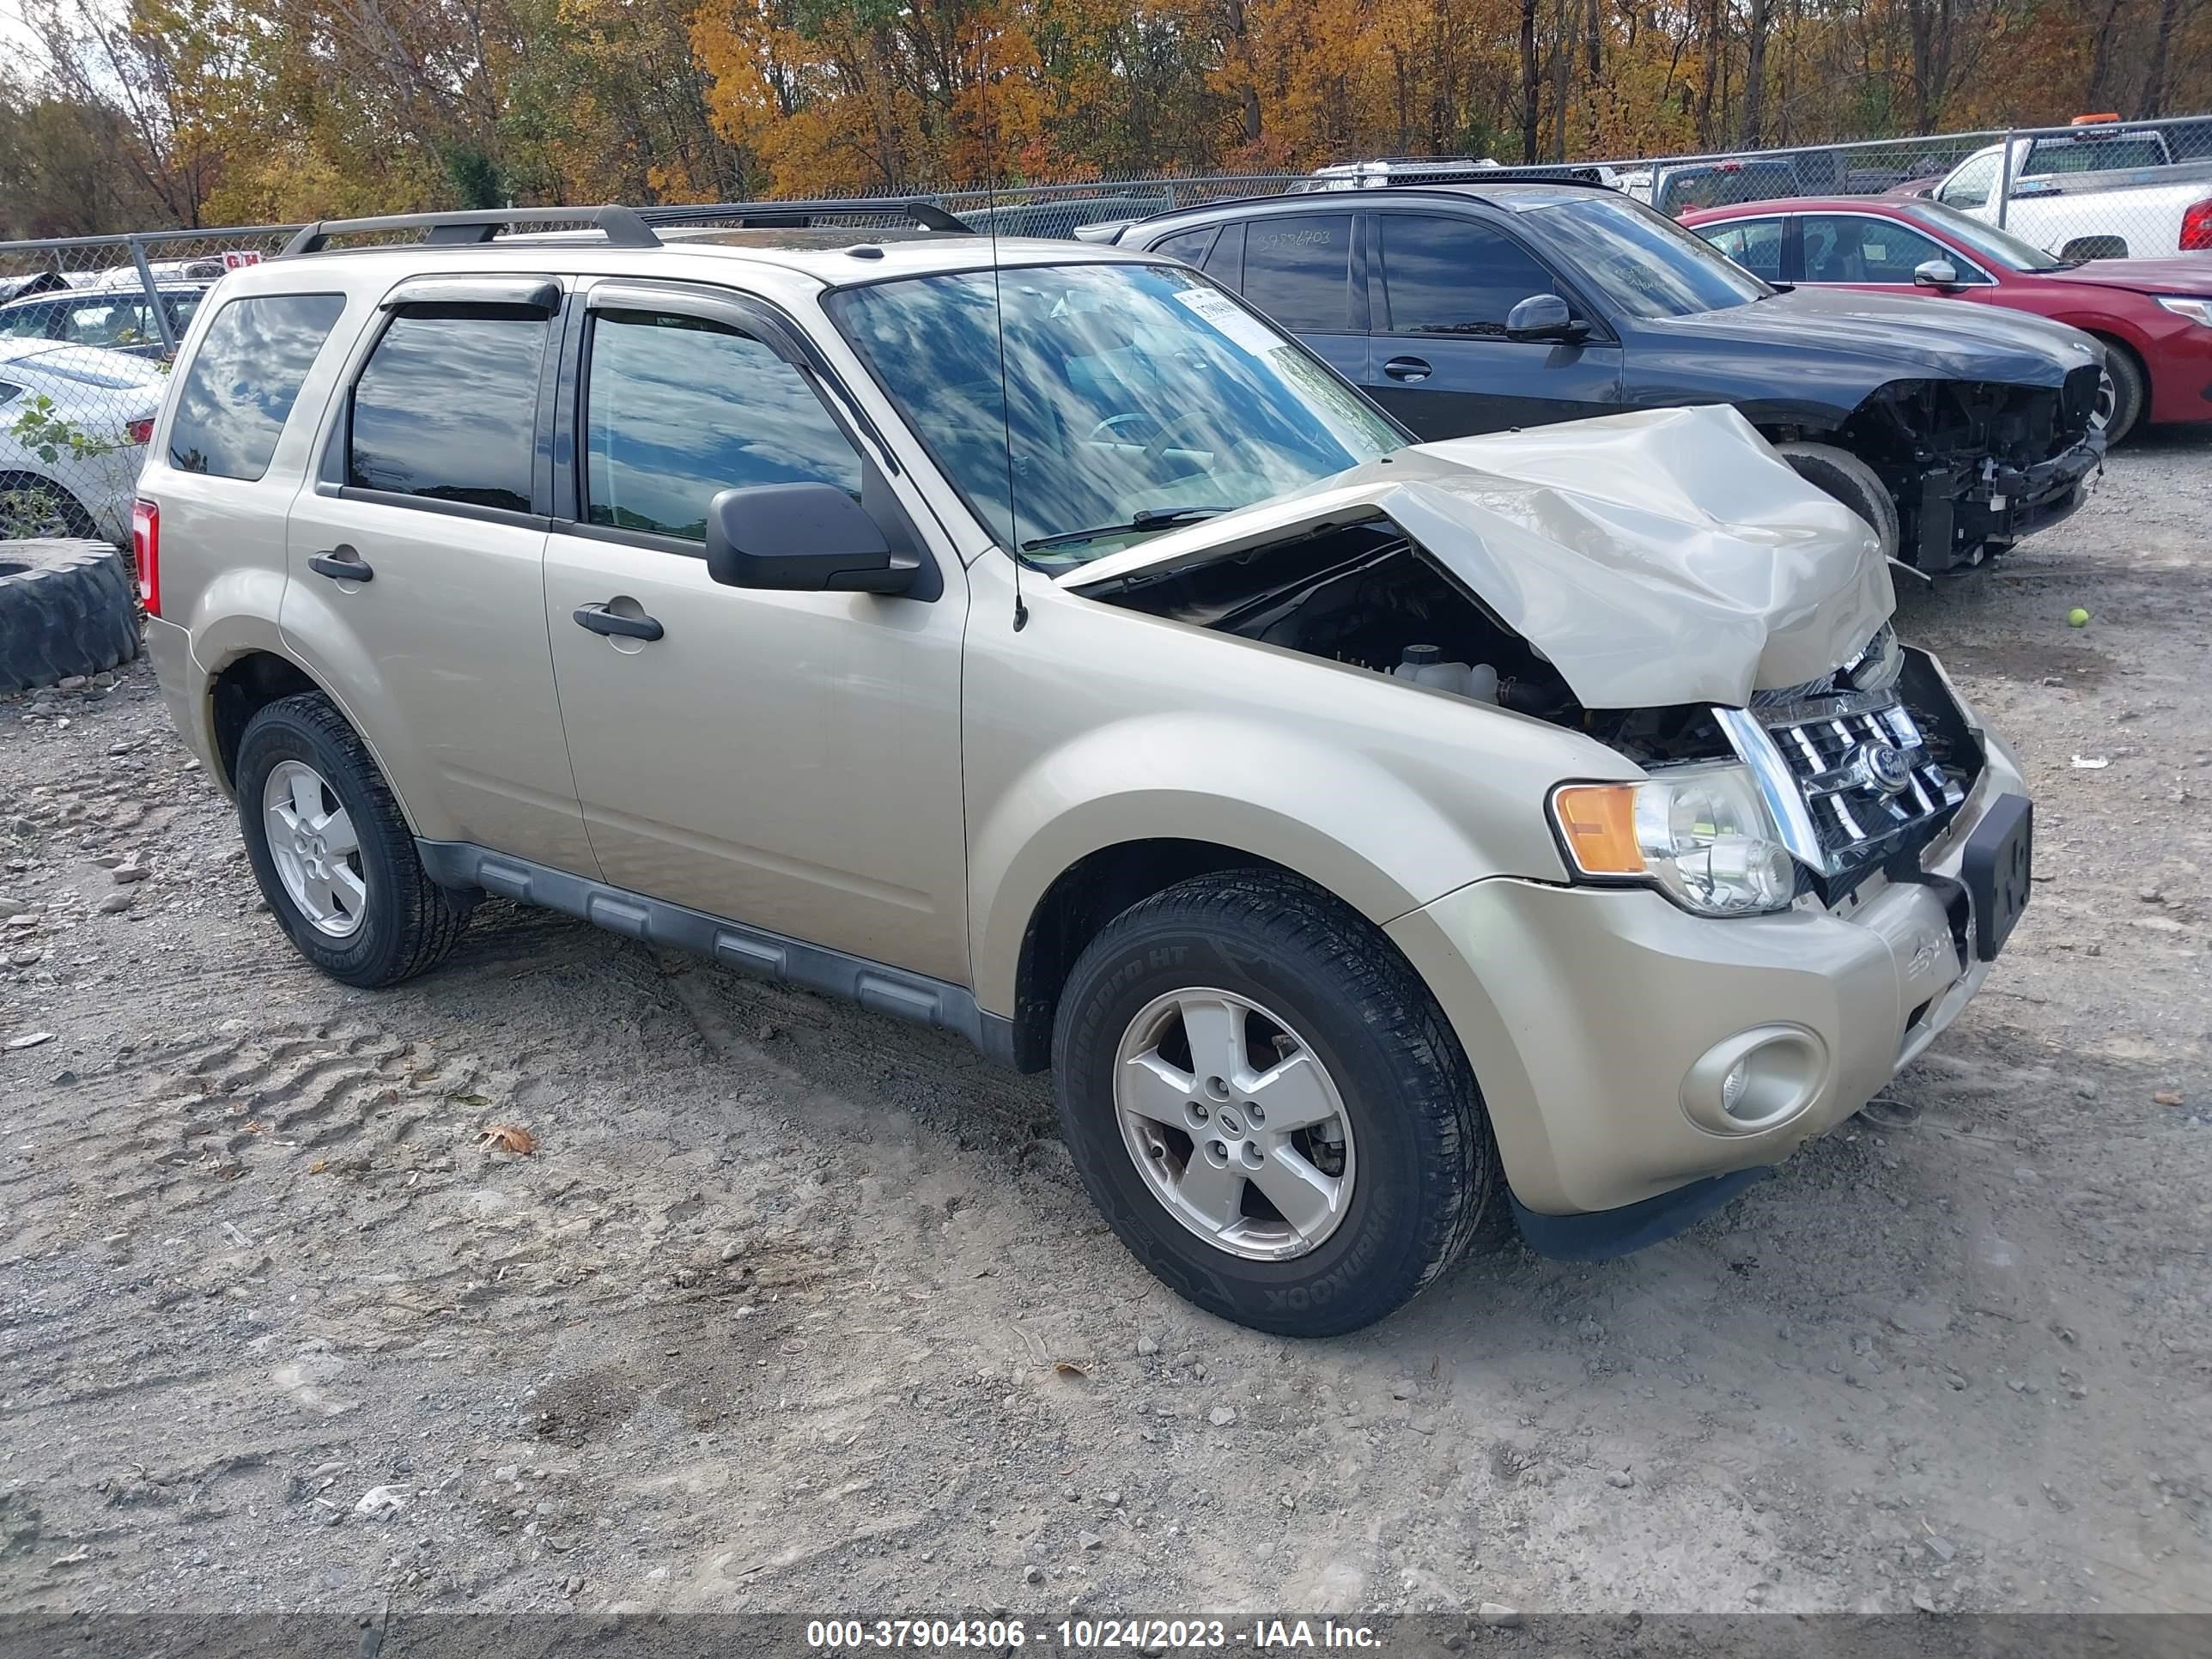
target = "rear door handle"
x: 600, y: 620
x: 1408, y: 369
x: 341, y: 564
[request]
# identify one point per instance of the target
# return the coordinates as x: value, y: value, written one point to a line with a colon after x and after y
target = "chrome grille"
x: 1846, y: 777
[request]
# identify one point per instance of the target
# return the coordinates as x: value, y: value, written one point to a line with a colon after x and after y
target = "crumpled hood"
x: 1898, y: 336
x: 1664, y: 556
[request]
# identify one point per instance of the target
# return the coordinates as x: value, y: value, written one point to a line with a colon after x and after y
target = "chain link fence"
x: 89, y: 326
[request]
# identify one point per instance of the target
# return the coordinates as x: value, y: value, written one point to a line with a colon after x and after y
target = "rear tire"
x: 379, y: 918
x: 1393, y: 1119
x: 1843, y: 475
x: 2126, y: 392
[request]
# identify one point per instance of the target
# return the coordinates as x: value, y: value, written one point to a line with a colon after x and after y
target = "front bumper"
x: 1964, y: 513
x: 1592, y: 1017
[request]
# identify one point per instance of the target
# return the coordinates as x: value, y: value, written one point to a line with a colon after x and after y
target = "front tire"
x: 331, y: 850
x: 2125, y: 391
x: 1268, y: 1107
x: 1839, y: 473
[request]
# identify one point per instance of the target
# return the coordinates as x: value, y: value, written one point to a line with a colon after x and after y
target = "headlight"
x: 1700, y: 834
x: 2197, y: 311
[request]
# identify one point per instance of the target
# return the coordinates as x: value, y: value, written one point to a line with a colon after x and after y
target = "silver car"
x: 1031, y: 640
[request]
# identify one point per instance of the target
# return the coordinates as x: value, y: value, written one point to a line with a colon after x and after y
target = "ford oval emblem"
x: 1884, y: 767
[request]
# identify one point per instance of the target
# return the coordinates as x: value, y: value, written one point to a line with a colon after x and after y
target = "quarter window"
x: 1455, y: 276
x: 243, y: 381
x: 1299, y: 271
x: 447, y: 407
x: 678, y: 409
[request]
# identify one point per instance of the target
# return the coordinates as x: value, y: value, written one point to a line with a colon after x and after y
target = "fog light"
x: 1733, y: 1086
x: 1756, y: 1080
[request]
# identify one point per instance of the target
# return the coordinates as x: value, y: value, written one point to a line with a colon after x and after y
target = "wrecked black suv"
x: 1953, y: 430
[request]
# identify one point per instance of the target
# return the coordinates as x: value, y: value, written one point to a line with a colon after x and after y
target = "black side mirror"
x: 802, y: 538
x: 1544, y: 316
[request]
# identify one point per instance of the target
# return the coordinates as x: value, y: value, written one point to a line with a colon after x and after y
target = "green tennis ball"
x: 2077, y: 618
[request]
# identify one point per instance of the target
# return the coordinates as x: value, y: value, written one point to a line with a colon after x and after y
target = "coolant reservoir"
x: 1425, y: 664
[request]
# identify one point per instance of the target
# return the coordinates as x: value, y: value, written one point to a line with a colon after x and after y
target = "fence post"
x: 2004, y: 176
x: 153, y: 299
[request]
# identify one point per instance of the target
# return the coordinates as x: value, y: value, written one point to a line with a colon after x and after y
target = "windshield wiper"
x: 1143, y: 522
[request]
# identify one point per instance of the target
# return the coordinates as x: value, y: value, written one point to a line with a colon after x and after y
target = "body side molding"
x: 887, y: 990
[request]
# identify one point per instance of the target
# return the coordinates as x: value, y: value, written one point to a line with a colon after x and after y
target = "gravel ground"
x: 796, y: 1308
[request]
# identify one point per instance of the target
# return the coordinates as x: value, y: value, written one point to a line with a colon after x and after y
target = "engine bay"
x: 1367, y: 595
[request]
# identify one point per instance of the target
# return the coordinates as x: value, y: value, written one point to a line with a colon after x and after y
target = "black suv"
x: 1954, y: 430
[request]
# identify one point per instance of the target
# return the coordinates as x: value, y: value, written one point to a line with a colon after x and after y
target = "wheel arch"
x: 241, y: 688
x: 2107, y: 335
x: 1081, y: 902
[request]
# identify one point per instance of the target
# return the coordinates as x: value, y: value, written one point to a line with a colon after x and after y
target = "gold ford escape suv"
x: 1030, y: 639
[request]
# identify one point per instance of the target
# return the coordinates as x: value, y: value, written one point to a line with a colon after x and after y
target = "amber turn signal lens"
x: 1599, y: 822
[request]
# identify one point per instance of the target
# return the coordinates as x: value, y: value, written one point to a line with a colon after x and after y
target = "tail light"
x: 141, y: 432
x: 2197, y: 227
x: 146, y: 553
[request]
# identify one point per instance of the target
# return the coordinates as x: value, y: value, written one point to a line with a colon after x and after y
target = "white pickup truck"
x: 2094, y: 192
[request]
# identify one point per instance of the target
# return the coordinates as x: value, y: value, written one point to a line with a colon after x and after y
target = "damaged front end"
x: 1975, y: 465
x: 1660, y: 583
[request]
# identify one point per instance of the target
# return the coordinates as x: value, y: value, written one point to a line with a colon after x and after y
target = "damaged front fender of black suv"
x: 1974, y: 465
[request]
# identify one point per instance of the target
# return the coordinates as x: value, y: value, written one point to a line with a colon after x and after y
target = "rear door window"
x: 1455, y: 276
x: 446, y: 408
x: 243, y: 381
x: 1850, y: 247
x: 678, y: 409
x: 1755, y: 244
x: 1299, y: 271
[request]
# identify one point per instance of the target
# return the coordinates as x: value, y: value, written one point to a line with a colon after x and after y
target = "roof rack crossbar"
x: 798, y: 215
x: 622, y: 225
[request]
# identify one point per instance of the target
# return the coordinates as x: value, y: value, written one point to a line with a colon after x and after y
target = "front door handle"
x: 341, y: 564
x: 1408, y: 369
x: 600, y: 620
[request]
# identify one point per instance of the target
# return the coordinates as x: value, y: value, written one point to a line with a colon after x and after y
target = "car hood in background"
x: 1894, y: 338
x: 1659, y: 557
x: 2181, y: 273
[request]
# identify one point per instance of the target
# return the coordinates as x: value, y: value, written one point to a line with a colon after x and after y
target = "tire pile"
x: 66, y: 607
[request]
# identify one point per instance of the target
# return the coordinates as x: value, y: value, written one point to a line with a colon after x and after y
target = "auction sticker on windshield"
x: 1229, y: 319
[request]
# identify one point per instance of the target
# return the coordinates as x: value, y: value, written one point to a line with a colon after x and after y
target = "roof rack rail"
x: 622, y: 225
x: 798, y: 215
x: 1558, y: 173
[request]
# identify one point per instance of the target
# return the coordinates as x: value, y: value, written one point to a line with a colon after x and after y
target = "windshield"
x: 1647, y: 264
x: 1999, y: 248
x: 1141, y: 396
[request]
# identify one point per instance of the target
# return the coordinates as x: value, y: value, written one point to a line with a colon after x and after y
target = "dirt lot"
x: 796, y: 1308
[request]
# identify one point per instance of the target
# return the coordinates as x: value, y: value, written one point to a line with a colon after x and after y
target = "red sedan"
x: 2154, y: 316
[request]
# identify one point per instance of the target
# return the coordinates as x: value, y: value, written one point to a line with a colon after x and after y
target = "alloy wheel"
x: 1234, y: 1124
x: 315, y: 848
